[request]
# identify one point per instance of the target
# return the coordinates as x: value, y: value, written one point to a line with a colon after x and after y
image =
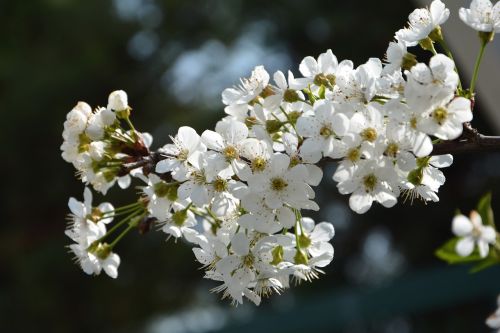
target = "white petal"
x: 360, y: 201
x: 441, y: 161
x: 76, y: 207
x: 323, y: 232
x: 484, y: 248
x: 240, y: 244
x: 124, y: 182
x: 461, y: 225
x: 465, y: 246
x: 422, y: 145
x: 213, y: 140
x: 279, y: 164
x: 308, y: 67
x: 111, y: 264
x: 188, y: 138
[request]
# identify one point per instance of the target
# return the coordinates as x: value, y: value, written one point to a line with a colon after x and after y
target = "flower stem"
x: 298, y: 225
x: 477, y: 65
x: 120, y: 223
x: 129, y: 123
x: 126, y: 231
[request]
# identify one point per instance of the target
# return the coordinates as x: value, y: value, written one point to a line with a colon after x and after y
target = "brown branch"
x: 470, y: 141
x: 480, y: 143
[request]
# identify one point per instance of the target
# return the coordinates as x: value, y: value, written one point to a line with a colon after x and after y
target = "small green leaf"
x: 484, y: 209
x: 487, y: 262
x: 448, y: 253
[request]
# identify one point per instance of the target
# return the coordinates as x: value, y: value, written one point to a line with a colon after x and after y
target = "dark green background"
x: 55, y: 52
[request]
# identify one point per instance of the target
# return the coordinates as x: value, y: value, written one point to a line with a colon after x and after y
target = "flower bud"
x: 118, y: 100
x: 97, y: 150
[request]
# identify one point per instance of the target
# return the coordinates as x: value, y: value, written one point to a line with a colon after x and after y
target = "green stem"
x: 134, y: 204
x: 120, y: 236
x: 476, y: 66
x: 120, y: 223
x: 129, y: 123
x: 120, y: 213
x: 212, y: 215
x: 298, y: 225
x: 297, y: 235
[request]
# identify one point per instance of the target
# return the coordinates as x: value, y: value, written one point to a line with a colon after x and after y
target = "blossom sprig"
x: 237, y: 193
x: 476, y: 241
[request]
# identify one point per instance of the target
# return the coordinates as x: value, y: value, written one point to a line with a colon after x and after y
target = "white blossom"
x: 422, y: 21
x: 482, y: 16
x: 472, y: 232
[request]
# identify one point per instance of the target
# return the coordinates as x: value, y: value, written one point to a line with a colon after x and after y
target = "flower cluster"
x: 97, y: 145
x: 87, y: 225
x: 237, y: 193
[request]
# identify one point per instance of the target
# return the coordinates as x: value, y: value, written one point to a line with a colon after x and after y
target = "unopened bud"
x: 118, y: 100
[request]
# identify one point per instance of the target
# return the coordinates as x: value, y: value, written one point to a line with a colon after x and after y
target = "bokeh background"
x: 174, y: 58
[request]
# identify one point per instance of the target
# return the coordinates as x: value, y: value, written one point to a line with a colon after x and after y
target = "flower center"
x: 95, y: 215
x: 248, y: 260
x: 295, y: 160
x: 440, y: 115
x: 220, y: 185
x: 250, y: 121
x: 369, y: 134
x: 290, y: 96
x: 370, y: 181
x: 273, y: 126
x: 161, y: 189
x: 413, y: 123
x: 199, y: 177
x: 325, y: 131
x: 84, y: 143
x: 267, y: 91
x: 259, y: 164
x: 179, y: 217
x: 415, y: 177
x: 278, y: 184
x: 325, y: 80
x: 230, y: 152
x: 392, y: 150
x: 353, y: 155
x: 183, y: 155
x: 102, y: 251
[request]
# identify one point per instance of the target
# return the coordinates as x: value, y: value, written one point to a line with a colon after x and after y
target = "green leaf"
x: 487, y: 262
x: 484, y: 209
x: 448, y: 253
